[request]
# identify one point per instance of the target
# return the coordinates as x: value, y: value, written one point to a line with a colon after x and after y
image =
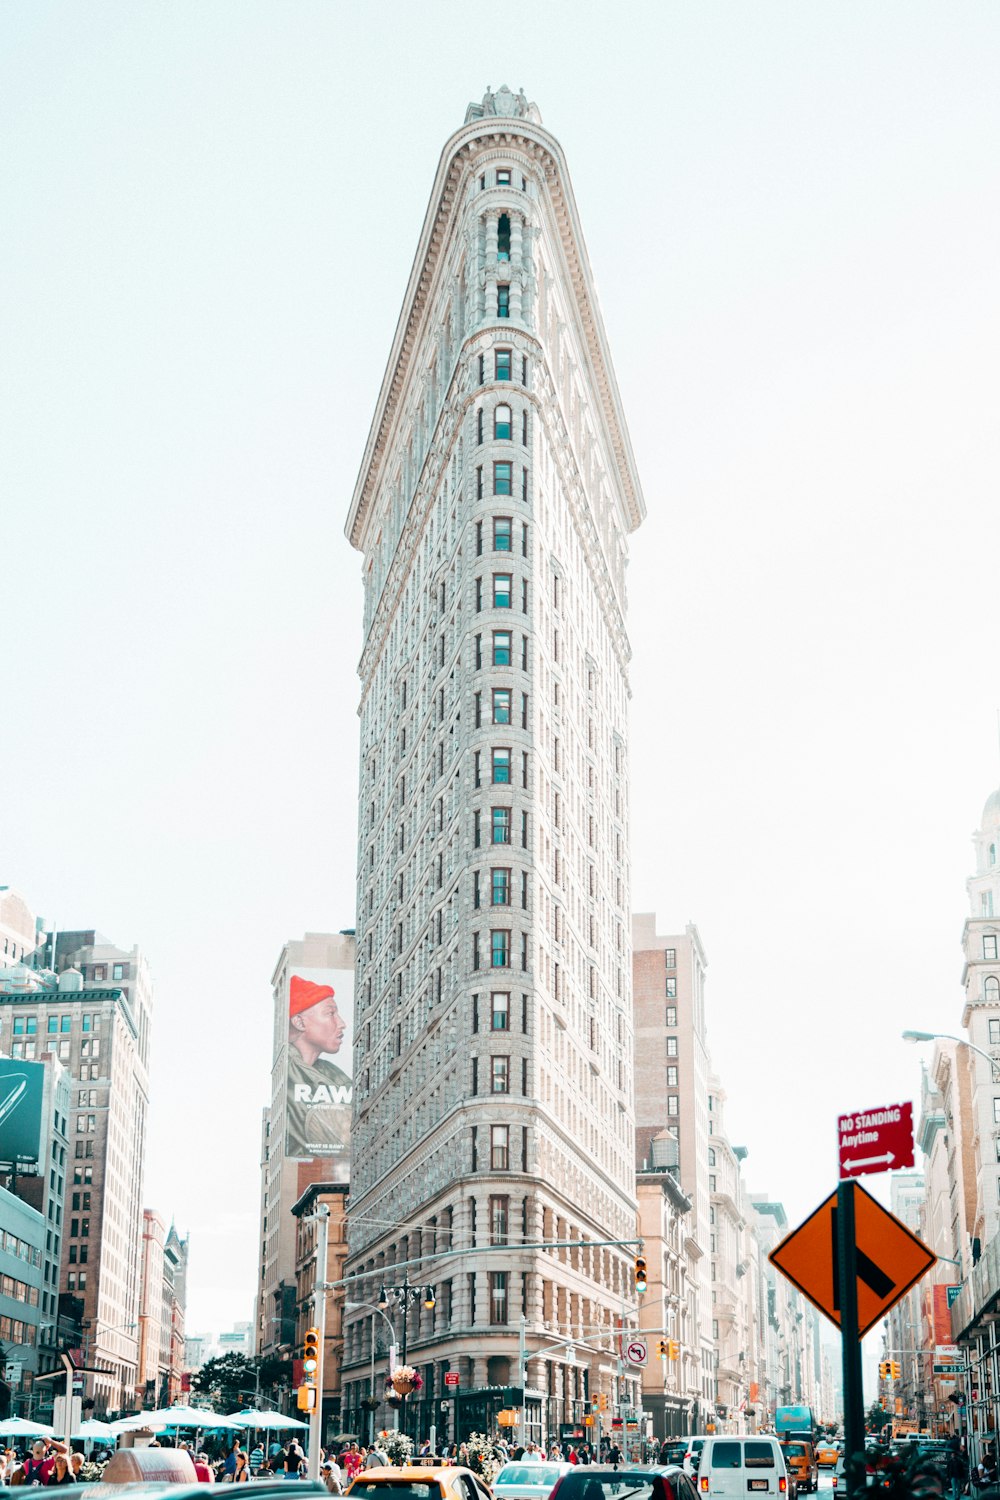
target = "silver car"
x: 518, y: 1480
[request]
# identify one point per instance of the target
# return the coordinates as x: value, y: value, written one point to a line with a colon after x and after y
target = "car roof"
x: 408, y: 1471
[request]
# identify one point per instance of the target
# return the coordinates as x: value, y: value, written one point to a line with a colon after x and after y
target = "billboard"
x: 319, y: 1086
x: 22, y: 1086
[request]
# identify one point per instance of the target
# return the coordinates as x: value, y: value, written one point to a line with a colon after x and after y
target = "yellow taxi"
x: 427, y: 1481
x: 827, y: 1454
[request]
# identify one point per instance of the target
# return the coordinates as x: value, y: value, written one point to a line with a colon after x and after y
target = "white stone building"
x: 493, y: 1076
x: 981, y: 1015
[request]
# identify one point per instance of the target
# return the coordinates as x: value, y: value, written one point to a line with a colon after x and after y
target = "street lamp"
x: 373, y: 1309
x: 947, y: 1036
x: 403, y: 1296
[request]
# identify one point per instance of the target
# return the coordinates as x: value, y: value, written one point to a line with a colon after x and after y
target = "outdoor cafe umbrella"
x: 95, y: 1431
x: 270, y: 1421
x: 18, y: 1427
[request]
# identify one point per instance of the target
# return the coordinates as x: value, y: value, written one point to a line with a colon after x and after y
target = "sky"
x: 209, y: 216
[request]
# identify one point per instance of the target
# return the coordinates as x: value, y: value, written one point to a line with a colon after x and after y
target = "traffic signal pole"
x: 319, y: 1312
x: 847, y: 1287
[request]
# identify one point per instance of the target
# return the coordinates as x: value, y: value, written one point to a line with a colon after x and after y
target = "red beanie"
x: 303, y: 994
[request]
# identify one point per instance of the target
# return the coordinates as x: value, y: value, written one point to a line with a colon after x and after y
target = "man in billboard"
x: 319, y: 1093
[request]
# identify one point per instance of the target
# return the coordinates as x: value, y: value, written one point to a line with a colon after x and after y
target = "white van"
x: 740, y: 1468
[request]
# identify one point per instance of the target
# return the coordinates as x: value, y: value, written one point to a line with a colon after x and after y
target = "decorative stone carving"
x: 505, y: 104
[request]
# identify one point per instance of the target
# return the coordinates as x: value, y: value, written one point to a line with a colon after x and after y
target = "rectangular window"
x: 672, y: 1019
x: 482, y: 368
x: 671, y: 1078
x: 501, y: 648
x: 501, y: 705
x: 501, y: 767
x: 500, y: 890
x: 524, y: 428
x: 499, y: 950
x: 995, y: 1033
x: 500, y: 825
x: 502, y: 590
x: 524, y: 710
x: 503, y: 477
x: 996, y: 1111
x: 479, y: 483
x: 524, y: 369
x: 671, y: 1046
x: 524, y: 596
x: 671, y: 988
x: 475, y: 950
x: 670, y: 957
x: 503, y: 176
x: 503, y: 301
x: 500, y: 1011
x: 502, y: 366
x: 476, y: 833
x: 500, y: 1148
x: 118, y: 971
x: 500, y: 1075
x: 498, y: 1297
x: 479, y: 605
x: 524, y: 830
x: 672, y: 1106
x: 502, y: 534
x: 52, y: 1026
x: 989, y: 945
x: 499, y: 1220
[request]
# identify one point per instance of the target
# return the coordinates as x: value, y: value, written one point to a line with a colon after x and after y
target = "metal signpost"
x: 853, y: 1259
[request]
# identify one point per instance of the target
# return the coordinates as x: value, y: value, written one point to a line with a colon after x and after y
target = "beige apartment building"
x: 671, y: 1108
x: 493, y: 1090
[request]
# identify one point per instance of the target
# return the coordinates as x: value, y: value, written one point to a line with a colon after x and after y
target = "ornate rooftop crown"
x: 506, y: 105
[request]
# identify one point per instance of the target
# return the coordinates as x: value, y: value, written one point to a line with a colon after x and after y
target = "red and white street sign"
x: 451, y: 1377
x: 876, y: 1140
x: 636, y: 1352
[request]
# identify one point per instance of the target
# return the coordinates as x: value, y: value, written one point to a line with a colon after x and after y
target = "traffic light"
x: 894, y: 1370
x: 673, y: 1349
x: 640, y: 1273
x: 306, y: 1397
x: 310, y: 1353
x: 664, y: 1346
x: 883, y: 1369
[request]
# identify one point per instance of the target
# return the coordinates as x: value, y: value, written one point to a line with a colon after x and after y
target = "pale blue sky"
x: 209, y: 214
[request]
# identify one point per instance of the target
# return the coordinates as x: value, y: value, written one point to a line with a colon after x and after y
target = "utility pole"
x: 322, y: 1219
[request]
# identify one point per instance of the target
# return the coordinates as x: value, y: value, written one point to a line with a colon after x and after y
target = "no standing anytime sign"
x: 876, y: 1140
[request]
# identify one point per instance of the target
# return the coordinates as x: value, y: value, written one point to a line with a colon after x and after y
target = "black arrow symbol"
x: 872, y: 1275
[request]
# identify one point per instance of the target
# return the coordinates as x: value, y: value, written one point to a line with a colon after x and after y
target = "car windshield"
x: 795, y: 1450
x: 539, y: 1476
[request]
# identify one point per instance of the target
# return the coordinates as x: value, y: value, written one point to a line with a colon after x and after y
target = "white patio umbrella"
x: 19, y: 1427
x: 270, y: 1421
x: 95, y: 1431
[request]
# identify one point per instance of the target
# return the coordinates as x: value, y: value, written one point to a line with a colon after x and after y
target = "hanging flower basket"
x: 370, y: 1403
x: 404, y: 1380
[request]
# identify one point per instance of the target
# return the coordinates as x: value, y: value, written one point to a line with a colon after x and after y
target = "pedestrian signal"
x: 306, y: 1397
x: 640, y: 1273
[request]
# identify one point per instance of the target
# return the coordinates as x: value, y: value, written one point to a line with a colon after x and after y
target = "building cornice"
x: 440, y: 225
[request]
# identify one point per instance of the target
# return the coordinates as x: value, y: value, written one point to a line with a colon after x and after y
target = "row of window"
x: 499, y: 950
x: 503, y: 425
x: 503, y: 479
x: 20, y: 1291
x: 502, y: 649
x: 503, y: 364
x: 500, y: 707
x: 499, y: 1013
x: 500, y: 766
x: 500, y: 888
x: 13, y: 1331
x: 15, y: 1246
x: 500, y: 827
x: 503, y: 536
x: 28, y: 1025
x: 77, y: 1281
x: 503, y: 592
x: 499, y: 1074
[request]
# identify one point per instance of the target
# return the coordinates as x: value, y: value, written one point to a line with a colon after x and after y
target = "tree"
x: 229, y: 1381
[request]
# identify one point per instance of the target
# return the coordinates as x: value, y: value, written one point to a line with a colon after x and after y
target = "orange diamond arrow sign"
x: 890, y: 1259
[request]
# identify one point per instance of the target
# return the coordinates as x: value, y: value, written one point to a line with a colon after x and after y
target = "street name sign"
x: 889, y: 1259
x: 875, y: 1140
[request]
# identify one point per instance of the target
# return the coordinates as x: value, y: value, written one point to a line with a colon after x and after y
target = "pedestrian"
x: 230, y: 1464
x: 39, y: 1466
x: 351, y: 1461
x: 294, y: 1461
x: 61, y: 1472
x: 202, y: 1468
x: 377, y: 1458
x: 256, y: 1458
x: 330, y: 1474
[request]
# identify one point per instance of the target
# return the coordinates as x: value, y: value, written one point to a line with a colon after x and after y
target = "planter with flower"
x: 403, y: 1381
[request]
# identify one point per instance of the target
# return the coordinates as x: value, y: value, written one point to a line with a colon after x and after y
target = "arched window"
x: 503, y: 237
x: 501, y: 422
x: 711, y: 1156
x: 991, y: 990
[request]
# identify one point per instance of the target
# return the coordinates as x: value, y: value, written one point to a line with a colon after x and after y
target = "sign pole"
x: 846, y: 1287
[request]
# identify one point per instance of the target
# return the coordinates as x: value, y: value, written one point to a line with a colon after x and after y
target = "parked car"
x: 673, y: 1452
x: 800, y: 1460
x: 527, y: 1481
x: 418, y: 1481
x: 627, y: 1482
x: 735, y: 1468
